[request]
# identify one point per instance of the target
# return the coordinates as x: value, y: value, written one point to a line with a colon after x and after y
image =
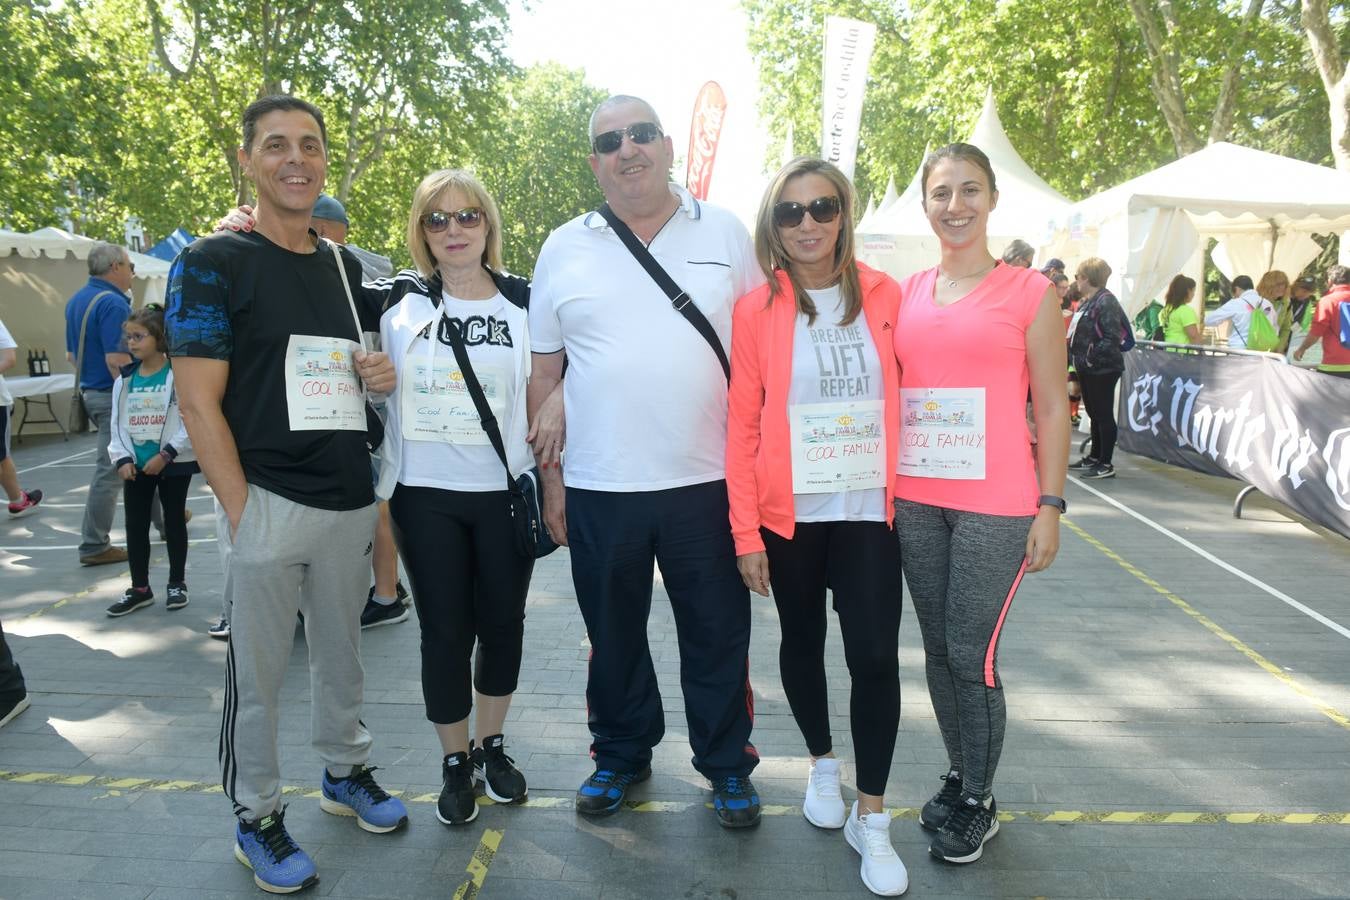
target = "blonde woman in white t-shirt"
x: 447, y: 487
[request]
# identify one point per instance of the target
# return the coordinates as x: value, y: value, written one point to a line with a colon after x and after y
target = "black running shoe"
x: 1101, y: 470
x: 457, y: 804
x: 736, y: 802
x: 966, y: 831
x: 383, y: 613
x: 402, y: 593
x: 603, y: 792
x: 176, y: 596
x: 497, y: 772
x: 132, y: 600
x: 936, y: 811
x: 1083, y: 464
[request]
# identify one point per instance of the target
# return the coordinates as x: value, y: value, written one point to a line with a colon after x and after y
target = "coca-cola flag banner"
x: 710, y: 108
x: 1283, y: 429
x: 848, y: 51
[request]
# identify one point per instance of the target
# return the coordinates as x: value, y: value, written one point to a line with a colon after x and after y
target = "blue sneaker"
x: 602, y: 793
x: 279, y: 866
x: 736, y: 802
x: 358, y: 795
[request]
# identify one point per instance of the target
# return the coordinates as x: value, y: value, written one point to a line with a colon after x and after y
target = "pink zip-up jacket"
x: 759, y: 448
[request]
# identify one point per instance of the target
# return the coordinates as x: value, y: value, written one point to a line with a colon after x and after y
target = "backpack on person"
x: 1344, y: 310
x: 1261, y: 335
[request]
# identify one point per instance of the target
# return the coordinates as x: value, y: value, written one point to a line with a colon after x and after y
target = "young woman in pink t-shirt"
x: 975, y: 508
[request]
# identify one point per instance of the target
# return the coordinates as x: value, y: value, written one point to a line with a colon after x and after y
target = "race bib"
x: 436, y: 404
x: 837, y: 446
x: 146, y: 411
x: 942, y: 433
x: 323, y: 391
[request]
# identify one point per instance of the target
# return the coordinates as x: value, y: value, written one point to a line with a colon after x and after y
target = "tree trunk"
x: 1221, y: 126
x: 1316, y: 18
x: 1165, y: 78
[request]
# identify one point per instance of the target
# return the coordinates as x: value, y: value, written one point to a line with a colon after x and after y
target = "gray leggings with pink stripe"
x: 963, y: 569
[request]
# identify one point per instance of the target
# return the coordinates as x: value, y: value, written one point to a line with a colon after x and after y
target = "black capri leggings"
x: 860, y: 563
x: 138, y: 497
x: 469, y: 584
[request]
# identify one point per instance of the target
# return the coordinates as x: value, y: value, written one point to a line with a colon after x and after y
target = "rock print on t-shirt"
x: 477, y: 331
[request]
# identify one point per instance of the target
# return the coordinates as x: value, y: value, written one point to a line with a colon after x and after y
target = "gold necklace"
x: 953, y: 282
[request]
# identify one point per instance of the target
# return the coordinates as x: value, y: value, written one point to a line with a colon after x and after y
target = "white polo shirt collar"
x: 688, y: 202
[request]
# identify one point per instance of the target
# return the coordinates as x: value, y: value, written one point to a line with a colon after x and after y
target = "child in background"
x: 21, y: 502
x: 151, y: 451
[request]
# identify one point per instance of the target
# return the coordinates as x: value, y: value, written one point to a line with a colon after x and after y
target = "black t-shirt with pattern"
x: 238, y: 298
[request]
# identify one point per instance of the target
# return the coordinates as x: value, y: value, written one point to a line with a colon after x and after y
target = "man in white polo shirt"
x: 646, y: 402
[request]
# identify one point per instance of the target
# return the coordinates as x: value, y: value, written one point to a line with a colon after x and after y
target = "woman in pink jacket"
x: 813, y: 420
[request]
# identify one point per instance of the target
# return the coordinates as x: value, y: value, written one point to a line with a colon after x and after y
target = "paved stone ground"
x: 1169, y: 690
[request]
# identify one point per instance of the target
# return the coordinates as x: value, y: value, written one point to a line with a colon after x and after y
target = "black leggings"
x: 469, y: 584
x: 138, y: 499
x: 1099, y: 397
x: 860, y: 563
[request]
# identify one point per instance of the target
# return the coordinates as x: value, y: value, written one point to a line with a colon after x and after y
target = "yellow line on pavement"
x: 1076, y: 817
x: 1219, y: 631
x: 78, y: 595
x: 479, y: 864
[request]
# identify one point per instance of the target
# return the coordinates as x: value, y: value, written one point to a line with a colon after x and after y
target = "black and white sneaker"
x: 1101, y: 470
x: 1083, y: 465
x: 457, y: 804
x: 221, y: 630
x: 133, y: 598
x: 401, y: 592
x: 176, y: 596
x: 936, y: 811
x: 966, y: 831
x: 376, y: 614
x: 497, y: 772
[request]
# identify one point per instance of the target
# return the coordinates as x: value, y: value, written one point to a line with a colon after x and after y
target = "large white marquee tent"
x: 1262, y: 208
x: 898, y: 239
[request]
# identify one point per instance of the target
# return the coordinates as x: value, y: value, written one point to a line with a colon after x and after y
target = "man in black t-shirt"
x: 271, y: 379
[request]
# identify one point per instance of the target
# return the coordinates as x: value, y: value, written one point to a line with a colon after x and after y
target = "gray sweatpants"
x: 963, y: 569
x: 288, y: 557
x: 105, y: 487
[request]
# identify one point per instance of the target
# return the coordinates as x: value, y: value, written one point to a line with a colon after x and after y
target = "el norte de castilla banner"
x: 1283, y: 429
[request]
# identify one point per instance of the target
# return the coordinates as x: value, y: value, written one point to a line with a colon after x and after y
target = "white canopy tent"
x: 899, y: 240
x: 1261, y: 207
x: 152, y: 274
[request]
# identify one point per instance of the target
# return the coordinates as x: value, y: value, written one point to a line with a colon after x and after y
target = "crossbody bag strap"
x: 678, y: 298
x: 79, y: 348
x: 351, y: 303
x: 485, y: 415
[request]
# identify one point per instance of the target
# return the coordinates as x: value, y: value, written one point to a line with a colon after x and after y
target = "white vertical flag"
x: 848, y: 50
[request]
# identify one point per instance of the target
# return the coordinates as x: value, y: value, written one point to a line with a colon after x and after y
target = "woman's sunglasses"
x: 789, y: 215
x: 638, y: 133
x: 438, y: 221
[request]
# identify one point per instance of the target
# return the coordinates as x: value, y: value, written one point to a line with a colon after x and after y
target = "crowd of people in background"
x: 330, y: 460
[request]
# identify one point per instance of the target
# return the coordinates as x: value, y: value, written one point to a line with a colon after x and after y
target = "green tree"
x: 533, y: 158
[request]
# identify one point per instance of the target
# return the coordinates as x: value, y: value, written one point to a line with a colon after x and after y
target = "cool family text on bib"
x: 323, y: 391
x: 942, y: 433
x: 436, y: 405
x: 837, y: 446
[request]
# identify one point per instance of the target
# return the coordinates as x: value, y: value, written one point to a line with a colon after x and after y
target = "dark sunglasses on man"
x: 787, y: 214
x: 638, y: 133
x: 439, y: 220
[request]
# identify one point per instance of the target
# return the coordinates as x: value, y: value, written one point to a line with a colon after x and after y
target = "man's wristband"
x: 1051, y: 500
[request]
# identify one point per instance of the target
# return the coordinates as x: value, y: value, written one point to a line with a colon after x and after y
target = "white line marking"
x: 45, y: 505
x: 24, y: 550
x: 57, y: 462
x: 1227, y: 567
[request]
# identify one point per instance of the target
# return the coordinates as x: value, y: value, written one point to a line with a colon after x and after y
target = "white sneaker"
x: 824, y: 807
x: 882, y: 871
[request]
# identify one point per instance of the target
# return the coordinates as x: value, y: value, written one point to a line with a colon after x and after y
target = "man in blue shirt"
x: 109, y: 292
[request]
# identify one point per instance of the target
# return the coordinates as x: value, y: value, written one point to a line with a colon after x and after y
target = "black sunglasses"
x: 638, y: 133
x: 787, y: 214
x: 438, y: 221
